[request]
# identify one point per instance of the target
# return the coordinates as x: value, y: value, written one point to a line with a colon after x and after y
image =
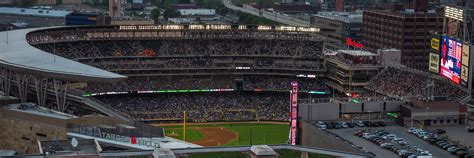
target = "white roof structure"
x: 357, y: 52
x: 197, y: 12
x: 18, y: 55
x: 34, y: 12
x: 263, y: 150
x: 38, y: 110
x: 347, y: 17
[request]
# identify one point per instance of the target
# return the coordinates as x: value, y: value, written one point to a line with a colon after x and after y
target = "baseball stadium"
x: 192, y: 90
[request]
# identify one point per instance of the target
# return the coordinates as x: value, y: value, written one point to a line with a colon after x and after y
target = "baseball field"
x: 230, y: 133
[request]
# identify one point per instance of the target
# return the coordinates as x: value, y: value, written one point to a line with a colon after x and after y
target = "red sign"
x: 293, y: 112
x: 352, y: 43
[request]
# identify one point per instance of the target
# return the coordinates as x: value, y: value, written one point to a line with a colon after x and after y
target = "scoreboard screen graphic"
x: 450, y: 63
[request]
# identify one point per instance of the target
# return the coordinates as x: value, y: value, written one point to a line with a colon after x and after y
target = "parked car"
x: 367, y: 135
x: 445, y: 147
x: 439, y: 131
x: 359, y: 123
x: 412, y: 129
x: 425, y: 153
x: 350, y: 124
x: 389, y: 136
x: 336, y: 125
x: 381, y: 124
x: 343, y: 124
x: 329, y: 125
x: 358, y: 132
x: 470, y: 129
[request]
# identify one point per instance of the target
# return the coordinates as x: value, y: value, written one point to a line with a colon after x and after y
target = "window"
x: 441, y: 121
x: 448, y: 121
x: 434, y: 121
x: 455, y: 120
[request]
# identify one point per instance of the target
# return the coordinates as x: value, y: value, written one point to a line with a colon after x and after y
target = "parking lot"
x: 458, y: 133
x: 348, y: 133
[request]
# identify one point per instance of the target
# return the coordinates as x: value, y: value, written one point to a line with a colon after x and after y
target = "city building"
x: 431, y: 113
x: 339, y: 28
x: 408, y: 31
x: 350, y: 70
x: 87, y: 19
x: 328, y: 5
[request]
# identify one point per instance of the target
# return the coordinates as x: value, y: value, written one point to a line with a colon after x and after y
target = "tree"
x: 170, y: 13
x: 155, y: 14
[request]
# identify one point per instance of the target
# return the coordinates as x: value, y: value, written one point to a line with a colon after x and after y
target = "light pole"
x: 370, y: 123
x: 426, y: 116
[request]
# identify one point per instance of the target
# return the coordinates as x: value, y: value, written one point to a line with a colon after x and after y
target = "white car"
x: 426, y: 153
x: 412, y: 129
x: 344, y: 125
x: 389, y: 136
x: 359, y: 123
x: 367, y: 135
x: 321, y: 125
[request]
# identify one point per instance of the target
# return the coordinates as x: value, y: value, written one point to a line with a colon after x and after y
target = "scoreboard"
x: 450, y: 64
x: 450, y: 58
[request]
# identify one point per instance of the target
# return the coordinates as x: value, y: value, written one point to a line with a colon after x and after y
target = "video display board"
x: 450, y: 64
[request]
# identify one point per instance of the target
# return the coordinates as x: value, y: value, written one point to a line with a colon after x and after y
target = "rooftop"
x: 18, y: 55
x: 37, y: 110
x: 34, y: 12
x: 347, y: 17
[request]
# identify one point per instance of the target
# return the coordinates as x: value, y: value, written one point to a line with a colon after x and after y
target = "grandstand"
x: 233, y: 72
x: 214, y: 73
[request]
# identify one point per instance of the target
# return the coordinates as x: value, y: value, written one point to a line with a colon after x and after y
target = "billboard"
x: 466, y: 50
x: 465, y: 54
x: 434, y: 62
x: 450, y: 64
x: 293, y: 112
x: 435, y: 44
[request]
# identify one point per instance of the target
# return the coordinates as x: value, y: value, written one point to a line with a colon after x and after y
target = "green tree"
x: 155, y: 14
x: 170, y: 13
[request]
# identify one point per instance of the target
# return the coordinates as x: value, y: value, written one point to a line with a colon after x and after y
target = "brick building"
x: 408, y: 31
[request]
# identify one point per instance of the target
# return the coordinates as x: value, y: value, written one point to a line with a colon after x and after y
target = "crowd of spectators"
x: 403, y: 83
x: 201, y: 107
x: 224, y: 82
x: 184, y: 47
x: 120, y: 56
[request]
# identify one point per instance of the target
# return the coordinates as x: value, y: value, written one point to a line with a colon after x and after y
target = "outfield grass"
x: 248, y: 133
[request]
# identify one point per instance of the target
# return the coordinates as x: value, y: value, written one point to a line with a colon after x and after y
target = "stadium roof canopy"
x: 18, y: 55
x: 34, y: 12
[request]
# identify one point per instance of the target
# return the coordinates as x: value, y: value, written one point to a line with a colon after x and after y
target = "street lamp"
x: 426, y: 116
x: 370, y: 123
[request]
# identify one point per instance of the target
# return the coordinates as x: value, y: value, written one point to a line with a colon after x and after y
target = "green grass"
x: 285, y: 153
x: 248, y: 133
x: 191, y: 135
x: 220, y: 155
